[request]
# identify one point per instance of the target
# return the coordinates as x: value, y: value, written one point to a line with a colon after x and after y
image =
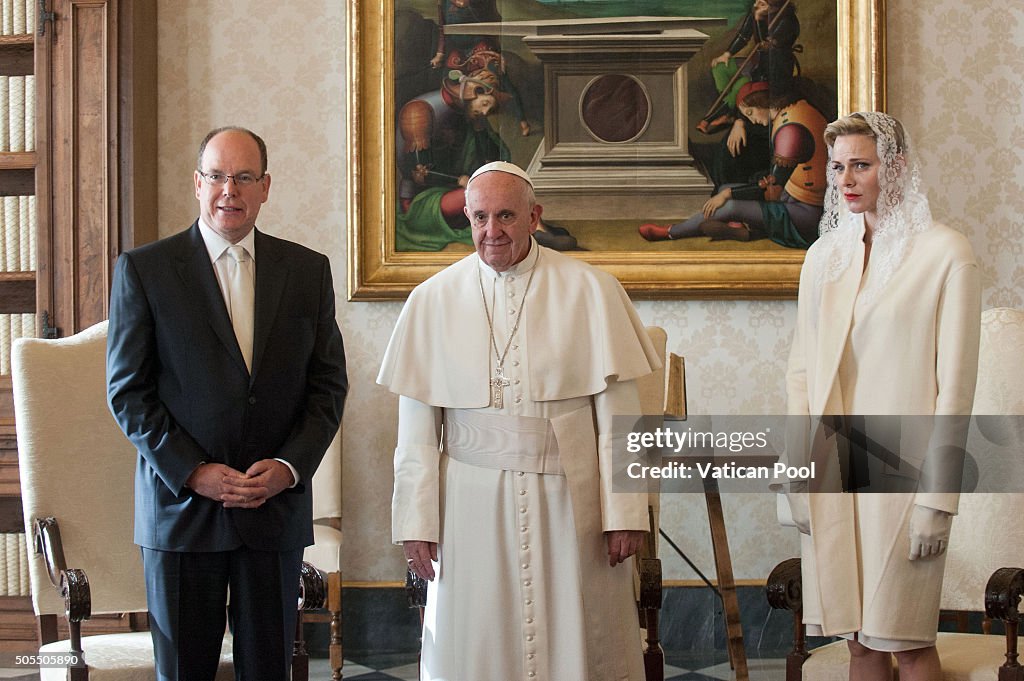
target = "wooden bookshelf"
x: 93, y: 174
x: 17, y: 292
x: 17, y: 296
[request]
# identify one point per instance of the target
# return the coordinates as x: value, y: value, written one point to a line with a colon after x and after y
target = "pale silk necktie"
x: 242, y: 300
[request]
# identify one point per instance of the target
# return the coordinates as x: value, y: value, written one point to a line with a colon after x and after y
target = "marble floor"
x: 402, y: 667
x: 760, y: 670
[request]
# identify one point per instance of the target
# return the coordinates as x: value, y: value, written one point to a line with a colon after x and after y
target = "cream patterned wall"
x: 279, y: 68
x: 956, y: 68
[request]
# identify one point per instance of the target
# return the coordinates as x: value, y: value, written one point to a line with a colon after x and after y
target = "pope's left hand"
x: 622, y: 544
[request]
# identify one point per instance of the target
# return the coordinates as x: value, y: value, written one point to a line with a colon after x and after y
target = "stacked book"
x: 17, y: 17
x: 18, y: 236
x: 13, y: 326
x: 14, y: 566
x: 17, y: 113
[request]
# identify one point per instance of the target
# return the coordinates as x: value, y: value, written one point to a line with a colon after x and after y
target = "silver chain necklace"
x: 499, y: 382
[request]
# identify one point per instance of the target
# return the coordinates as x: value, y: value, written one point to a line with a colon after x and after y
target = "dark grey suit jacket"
x: 179, y: 388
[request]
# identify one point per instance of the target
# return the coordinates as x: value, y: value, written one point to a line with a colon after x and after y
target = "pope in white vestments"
x: 511, y: 366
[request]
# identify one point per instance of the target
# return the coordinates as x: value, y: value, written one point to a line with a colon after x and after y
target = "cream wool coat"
x: 579, y: 346
x: 911, y: 350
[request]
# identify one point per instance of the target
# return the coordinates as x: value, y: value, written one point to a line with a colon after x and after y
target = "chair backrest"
x: 652, y: 404
x: 327, y: 483
x: 986, y: 533
x: 652, y: 386
x: 77, y: 466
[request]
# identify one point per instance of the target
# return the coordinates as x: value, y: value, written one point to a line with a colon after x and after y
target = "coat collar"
x: 271, y: 275
x: 197, y: 275
x: 835, y: 317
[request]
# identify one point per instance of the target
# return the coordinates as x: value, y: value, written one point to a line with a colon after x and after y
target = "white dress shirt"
x: 217, y: 247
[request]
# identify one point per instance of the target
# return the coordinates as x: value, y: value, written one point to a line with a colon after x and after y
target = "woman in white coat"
x: 887, y: 325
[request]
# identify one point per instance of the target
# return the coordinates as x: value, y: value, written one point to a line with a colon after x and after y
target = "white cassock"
x: 519, y: 497
x: 913, y: 350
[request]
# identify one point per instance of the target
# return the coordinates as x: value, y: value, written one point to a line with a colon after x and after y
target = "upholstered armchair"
x: 77, y: 486
x: 986, y: 536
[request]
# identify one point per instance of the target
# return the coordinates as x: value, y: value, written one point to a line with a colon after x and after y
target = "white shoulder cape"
x: 582, y: 332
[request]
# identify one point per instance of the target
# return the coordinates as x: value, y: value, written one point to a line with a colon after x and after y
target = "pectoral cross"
x: 498, y: 385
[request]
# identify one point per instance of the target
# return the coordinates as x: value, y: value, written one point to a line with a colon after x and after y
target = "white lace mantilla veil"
x: 902, y: 212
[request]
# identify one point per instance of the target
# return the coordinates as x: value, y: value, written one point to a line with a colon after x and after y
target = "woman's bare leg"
x: 870, y: 665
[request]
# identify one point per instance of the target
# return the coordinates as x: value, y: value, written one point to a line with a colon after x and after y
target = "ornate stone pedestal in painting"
x: 615, y: 113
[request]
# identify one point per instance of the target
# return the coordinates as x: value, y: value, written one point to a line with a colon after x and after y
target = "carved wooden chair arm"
x: 650, y: 583
x: 415, y: 590
x: 783, y: 588
x: 648, y: 569
x: 648, y: 608
x: 1002, y: 597
x: 785, y: 592
x: 1003, y: 593
x: 71, y: 583
x: 312, y: 587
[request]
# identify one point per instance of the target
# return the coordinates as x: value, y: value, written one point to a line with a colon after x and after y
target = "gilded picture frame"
x: 377, y: 271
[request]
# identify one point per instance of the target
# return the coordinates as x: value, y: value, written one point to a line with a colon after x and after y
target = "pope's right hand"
x: 419, y: 556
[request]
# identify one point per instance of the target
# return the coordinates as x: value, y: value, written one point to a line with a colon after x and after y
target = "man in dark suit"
x: 226, y: 370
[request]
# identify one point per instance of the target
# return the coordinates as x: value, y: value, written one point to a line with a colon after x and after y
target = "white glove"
x: 929, y: 532
x: 799, y: 508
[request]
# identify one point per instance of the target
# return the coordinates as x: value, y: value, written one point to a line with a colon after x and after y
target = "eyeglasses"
x: 241, y: 179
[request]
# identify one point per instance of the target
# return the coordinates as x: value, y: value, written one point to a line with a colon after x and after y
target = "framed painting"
x: 674, y: 143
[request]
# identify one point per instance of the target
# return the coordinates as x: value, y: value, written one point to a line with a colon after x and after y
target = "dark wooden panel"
x: 17, y: 182
x: 6, y: 407
x: 94, y: 211
x: 17, y: 296
x: 17, y: 624
x: 79, y: 165
x: 138, y: 116
x: 11, y: 517
x: 16, y: 58
x: 10, y: 481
